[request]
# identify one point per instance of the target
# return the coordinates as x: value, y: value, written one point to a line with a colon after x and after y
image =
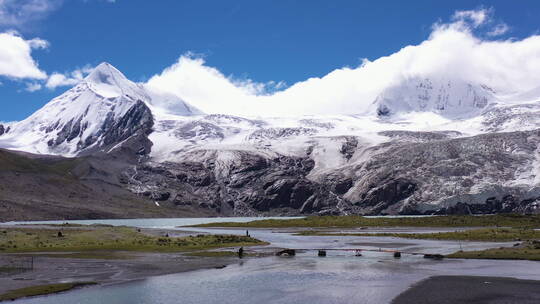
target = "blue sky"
x: 288, y: 41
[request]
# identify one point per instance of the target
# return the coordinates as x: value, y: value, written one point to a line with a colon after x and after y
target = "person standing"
x: 241, y: 252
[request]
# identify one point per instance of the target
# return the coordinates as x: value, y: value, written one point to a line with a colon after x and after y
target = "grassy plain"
x: 355, y: 221
x: 85, y: 239
x: 482, y: 234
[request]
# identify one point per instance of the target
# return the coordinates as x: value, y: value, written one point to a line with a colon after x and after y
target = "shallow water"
x: 373, y: 278
x: 341, y: 277
x: 155, y: 222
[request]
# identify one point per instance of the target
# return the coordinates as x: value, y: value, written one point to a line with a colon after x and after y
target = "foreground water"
x: 341, y: 277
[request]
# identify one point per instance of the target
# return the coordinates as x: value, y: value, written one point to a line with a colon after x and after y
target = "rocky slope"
x: 38, y: 187
x: 429, y: 146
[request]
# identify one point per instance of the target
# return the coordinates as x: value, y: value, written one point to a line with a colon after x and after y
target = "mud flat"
x: 471, y: 289
x: 128, y: 267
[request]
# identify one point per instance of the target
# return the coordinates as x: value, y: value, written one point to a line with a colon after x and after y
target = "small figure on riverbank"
x: 60, y: 234
x: 241, y: 252
x: 247, y: 232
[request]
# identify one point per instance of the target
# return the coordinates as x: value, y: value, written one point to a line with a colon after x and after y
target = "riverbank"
x: 527, y: 246
x: 471, y: 289
x: 529, y: 250
x: 136, y: 266
x: 47, y: 257
x: 80, y: 238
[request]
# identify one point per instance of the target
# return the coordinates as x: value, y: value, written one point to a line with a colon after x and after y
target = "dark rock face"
x: 447, y: 176
x: 383, y: 111
x: 249, y: 185
x: 387, y: 194
x: 433, y: 174
x: 137, y: 120
x: 2, y: 130
x: 507, y: 204
x: 349, y: 147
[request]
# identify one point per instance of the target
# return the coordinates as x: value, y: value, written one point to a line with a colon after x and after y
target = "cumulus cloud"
x: 18, y: 13
x: 16, y: 56
x: 453, y: 50
x: 57, y: 79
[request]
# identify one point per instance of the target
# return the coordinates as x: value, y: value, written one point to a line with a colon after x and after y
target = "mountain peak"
x: 107, y: 81
x: 452, y: 98
x: 105, y: 73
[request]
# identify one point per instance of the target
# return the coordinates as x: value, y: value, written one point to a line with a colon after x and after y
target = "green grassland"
x: 41, y: 290
x: 20, y: 240
x: 529, y: 251
x: 353, y: 221
x: 483, y: 234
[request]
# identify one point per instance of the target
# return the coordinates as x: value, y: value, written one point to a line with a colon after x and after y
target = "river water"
x: 341, y: 277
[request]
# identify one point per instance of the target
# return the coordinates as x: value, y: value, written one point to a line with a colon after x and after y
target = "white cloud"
x: 452, y: 51
x: 499, y: 29
x: 33, y: 86
x: 17, y: 13
x: 16, y: 56
x: 57, y: 79
x: 476, y: 17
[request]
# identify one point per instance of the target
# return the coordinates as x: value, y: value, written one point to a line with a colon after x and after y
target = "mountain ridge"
x: 442, y: 147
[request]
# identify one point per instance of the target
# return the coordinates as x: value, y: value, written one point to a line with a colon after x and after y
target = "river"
x: 341, y: 277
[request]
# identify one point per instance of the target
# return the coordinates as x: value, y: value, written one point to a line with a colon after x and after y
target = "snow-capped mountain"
x: 102, y: 110
x: 431, y: 145
x: 449, y: 98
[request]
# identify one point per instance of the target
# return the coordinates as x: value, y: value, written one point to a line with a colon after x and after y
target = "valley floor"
x: 42, y: 258
x: 107, y: 255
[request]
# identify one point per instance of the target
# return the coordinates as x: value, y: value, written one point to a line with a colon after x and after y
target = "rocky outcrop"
x: 137, y: 120
x: 416, y: 173
x: 506, y: 204
x: 249, y: 184
x: 2, y: 129
x: 443, y: 175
